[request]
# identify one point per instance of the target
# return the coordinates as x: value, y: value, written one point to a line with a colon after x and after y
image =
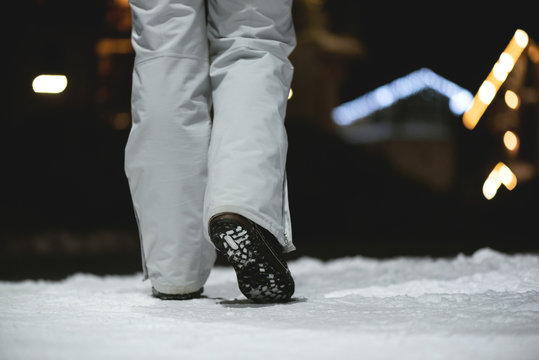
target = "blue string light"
x: 460, y: 99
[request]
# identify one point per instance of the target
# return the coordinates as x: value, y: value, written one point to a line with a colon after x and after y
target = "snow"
x: 483, y: 306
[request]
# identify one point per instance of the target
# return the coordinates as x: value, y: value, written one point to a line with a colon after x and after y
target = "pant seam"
x: 143, y: 59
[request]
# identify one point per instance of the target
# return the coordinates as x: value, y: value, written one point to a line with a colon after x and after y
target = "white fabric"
x: 183, y: 166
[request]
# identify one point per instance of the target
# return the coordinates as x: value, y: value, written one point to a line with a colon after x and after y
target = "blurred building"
x: 320, y: 60
x: 413, y: 122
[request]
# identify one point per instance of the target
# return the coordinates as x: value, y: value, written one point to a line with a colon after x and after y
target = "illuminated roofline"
x: 460, y: 99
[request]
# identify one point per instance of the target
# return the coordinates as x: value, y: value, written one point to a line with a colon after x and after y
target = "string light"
x: 510, y: 140
x: 488, y: 89
x: 511, y: 99
x: 501, y: 174
x: 386, y: 95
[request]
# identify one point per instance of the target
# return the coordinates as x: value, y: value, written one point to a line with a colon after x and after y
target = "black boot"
x: 188, y: 296
x: 256, y: 256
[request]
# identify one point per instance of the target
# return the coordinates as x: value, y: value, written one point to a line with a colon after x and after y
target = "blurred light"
x: 490, y: 187
x: 460, y: 102
x: 486, y: 92
x: 384, y: 96
x: 488, y: 89
x: 501, y: 174
x: 290, y: 94
x: 473, y: 114
x: 111, y: 46
x: 521, y: 38
x: 506, y: 62
x: 511, y: 99
x: 121, y: 121
x: 124, y: 3
x: 49, y: 84
x: 506, y: 176
x: 533, y: 53
x: 499, y: 72
x: 459, y: 99
x: 510, y: 140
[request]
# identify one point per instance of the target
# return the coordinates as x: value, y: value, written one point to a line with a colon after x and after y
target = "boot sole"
x: 262, y: 274
x: 188, y: 296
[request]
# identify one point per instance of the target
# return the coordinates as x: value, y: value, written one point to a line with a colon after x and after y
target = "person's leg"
x: 250, y: 73
x: 166, y: 154
x: 246, y: 205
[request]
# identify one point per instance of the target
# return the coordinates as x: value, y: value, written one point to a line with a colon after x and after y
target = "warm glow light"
x: 507, y: 177
x: 506, y: 61
x: 510, y: 140
x: 121, y: 121
x: 290, y: 94
x: 486, y: 92
x: 521, y: 38
x: 112, y: 46
x: 533, y: 53
x: 499, y: 72
x: 50, y: 84
x: 511, y: 99
x: 490, y: 187
x: 472, y: 115
x: 501, y: 174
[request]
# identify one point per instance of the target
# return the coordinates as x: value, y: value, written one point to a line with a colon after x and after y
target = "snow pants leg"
x: 167, y: 149
x: 250, y: 73
x: 182, y: 167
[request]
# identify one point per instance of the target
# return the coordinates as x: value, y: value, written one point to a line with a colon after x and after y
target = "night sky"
x: 458, y: 41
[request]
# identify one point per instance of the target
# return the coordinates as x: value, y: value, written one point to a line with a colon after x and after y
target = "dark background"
x: 65, y: 203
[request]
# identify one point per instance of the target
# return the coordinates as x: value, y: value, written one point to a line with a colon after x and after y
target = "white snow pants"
x: 185, y: 166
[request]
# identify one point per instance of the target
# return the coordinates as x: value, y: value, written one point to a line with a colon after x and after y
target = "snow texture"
x: 484, y: 306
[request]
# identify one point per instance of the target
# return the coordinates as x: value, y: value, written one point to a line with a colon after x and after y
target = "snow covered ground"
x: 484, y: 306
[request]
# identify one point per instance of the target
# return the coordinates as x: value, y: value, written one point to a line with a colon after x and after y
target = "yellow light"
x: 506, y: 61
x: 471, y: 117
x: 506, y: 176
x: 486, y: 92
x: 290, y: 94
x: 490, y: 187
x: 50, y: 84
x: 511, y: 99
x: 521, y: 38
x: 501, y: 174
x: 499, y: 72
x: 510, y: 140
